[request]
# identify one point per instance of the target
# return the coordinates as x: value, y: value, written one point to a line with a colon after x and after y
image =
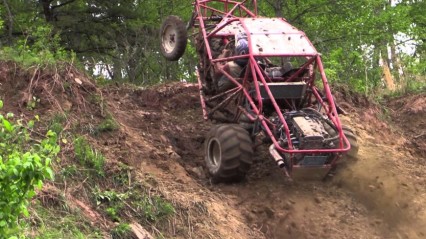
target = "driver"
x: 235, y: 67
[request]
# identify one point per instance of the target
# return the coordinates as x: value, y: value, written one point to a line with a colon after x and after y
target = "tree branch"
x: 62, y: 4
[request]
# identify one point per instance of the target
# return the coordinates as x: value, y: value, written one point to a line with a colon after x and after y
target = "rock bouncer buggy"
x: 263, y: 81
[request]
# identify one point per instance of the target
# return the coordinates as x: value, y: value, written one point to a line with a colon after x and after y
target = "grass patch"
x: 56, y: 123
x: 88, y: 156
x: 148, y: 207
x: 53, y: 223
x: 107, y: 125
x: 121, y: 231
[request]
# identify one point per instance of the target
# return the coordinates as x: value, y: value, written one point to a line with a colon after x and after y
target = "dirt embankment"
x: 161, y: 132
x: 379, y: 196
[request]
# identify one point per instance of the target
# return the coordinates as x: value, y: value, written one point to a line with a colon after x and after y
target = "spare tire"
x: 173, y: 37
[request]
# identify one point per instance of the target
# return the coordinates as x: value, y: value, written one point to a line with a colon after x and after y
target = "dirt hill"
x: 152, y: 140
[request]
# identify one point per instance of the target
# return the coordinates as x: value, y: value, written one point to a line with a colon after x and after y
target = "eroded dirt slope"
x: 161, y: 132
x: 382, y: 195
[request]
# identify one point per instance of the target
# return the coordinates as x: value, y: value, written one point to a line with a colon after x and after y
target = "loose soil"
x: 381, y: 195
x: 161, y: 133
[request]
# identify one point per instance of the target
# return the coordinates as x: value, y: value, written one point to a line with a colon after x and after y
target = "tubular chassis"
x: 268, y: 103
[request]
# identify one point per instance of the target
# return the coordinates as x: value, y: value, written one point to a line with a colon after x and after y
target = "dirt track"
x: 161, y: 134
x: 382, y: 195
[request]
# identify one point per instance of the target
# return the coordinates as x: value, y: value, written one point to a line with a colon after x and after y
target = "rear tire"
x: 228, y: 153
x: 173, y: 37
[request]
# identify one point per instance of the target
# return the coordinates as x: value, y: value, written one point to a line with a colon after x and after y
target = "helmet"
x: 241, y: 43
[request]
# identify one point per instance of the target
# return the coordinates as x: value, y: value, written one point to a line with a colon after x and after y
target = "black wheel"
x: 173, y: 36
x: 228, y: 153
x: 350, y: 135
x: 351, y: 155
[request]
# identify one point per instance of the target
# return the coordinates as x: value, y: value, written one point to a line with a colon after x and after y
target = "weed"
x: 155, y: 208
x: 107, y: 125
x: 121, y: 231
x: 88, y: 156
x: 96, y: 99
x: 31, y: 105
x: 113, y: 200
x: 122, y: 178
x: 108, y: 196
x: 112, y: 212
x: 56, y: 122
x: 51, y: 223
x: 69, y: 171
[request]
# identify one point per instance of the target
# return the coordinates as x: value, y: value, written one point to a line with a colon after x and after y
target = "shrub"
x: 24, y: 164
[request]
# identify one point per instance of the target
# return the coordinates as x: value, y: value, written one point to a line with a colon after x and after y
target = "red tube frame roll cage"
x: 235, y: 13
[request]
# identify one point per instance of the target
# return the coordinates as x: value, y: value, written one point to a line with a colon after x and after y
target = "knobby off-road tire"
x: 173, y: 38
x: 351, y: 155
x: 350, y: 135
x: 228, y: 153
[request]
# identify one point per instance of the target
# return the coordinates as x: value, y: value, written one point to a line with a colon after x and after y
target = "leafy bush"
x: 24, y: 164
x: 39, y: 46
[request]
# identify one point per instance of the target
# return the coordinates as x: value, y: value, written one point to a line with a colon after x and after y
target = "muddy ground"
x: 161, y: 133
x: 381, y: 195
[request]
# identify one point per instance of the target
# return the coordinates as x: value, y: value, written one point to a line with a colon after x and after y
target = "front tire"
x: 228, y: 153
x: 350, y: 135
x: 173, y: 37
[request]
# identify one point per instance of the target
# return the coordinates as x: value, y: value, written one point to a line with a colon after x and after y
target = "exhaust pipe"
x: 278, y: 159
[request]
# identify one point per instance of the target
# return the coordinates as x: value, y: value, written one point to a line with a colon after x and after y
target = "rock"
x: 288, y: 206
x: 269, y: 212
x: 199, y: 172
x: 317, y: 200
x: 139, y: 232
x: 172, y: 154
x: 66, y: 105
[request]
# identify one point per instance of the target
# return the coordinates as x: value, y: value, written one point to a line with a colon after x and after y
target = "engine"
x: 310, y: 130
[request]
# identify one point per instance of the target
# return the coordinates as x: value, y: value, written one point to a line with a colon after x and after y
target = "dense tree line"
x: 359, y: 40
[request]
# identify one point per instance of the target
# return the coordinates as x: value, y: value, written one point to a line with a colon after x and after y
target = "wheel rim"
x: 214, y: 153
x: 169, y: 38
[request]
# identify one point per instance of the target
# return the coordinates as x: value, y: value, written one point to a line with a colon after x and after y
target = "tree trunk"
x: 47, y: 11
x: 9, y: 22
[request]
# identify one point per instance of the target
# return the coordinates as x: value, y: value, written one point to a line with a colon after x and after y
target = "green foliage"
x: 121, y: 231
x: 155, y: 208
x: 118, y: 40
x: 88, y: 156
x: 107, y: 125
x: 109, y: 196
x: 122, y: 178
x: 151, y: 208
x: 24, y: 164
x: 113, y: 200
x: 38, y: 46
x: 54, y: 223
x: 56, y: 122
x: 32, y: 103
